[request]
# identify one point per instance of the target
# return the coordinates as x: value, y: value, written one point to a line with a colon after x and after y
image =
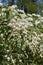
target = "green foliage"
x: 18, y: 38
x: 31, y: 5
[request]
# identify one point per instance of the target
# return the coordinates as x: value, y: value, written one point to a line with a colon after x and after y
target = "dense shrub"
x: 20, y: 37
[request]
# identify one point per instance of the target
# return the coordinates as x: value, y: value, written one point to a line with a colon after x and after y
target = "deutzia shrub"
x: 21, y: 37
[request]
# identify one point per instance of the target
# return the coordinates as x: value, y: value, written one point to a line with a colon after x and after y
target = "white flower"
x: 14, y: 6
x: 23, y: 16
x: 13, y: 61
x: 41, y: 35
x: 5, y: 19
x: 1, y: 35
x: 30, y: 19
x: 20, y: 60
x: 41, y: 19
x: 41, y: 55
x: 30, y: 24
x: 15, y: 17
x: 36, y: 15
x: 37, y: 22
x: 7, y: 50
x: 17, y: 28
x: 13, y: 13
x: 2, y: 14
x: 3, y: 9
x: 21, y: 11
x: 35, y: 33
x: 25, y: 31
x: 29, y: 15
x: 10, y: 24
x: 8, y: 58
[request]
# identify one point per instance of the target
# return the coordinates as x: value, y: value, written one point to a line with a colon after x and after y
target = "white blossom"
x: 37, y: 22
x: 3, y: 9
x: 36, y: 15
x: 8, y: 58
x: 2, y: 35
